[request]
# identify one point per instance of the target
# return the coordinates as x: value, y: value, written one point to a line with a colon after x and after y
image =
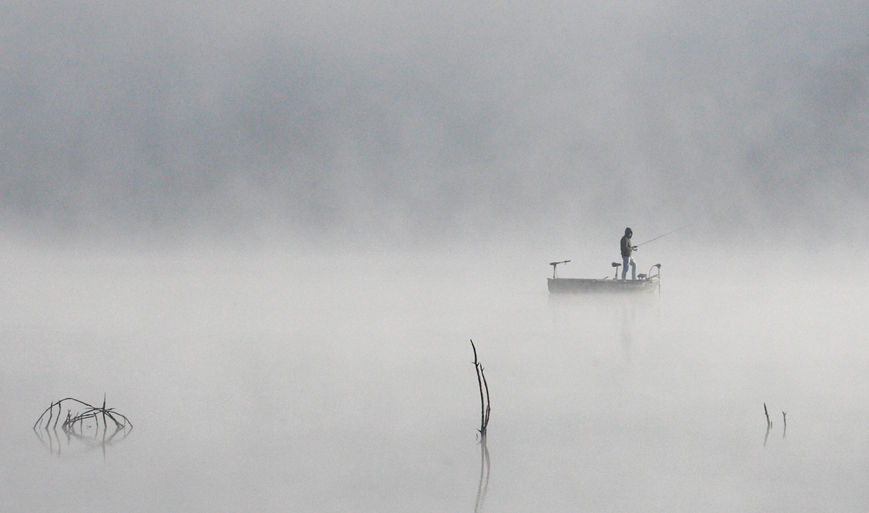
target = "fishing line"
x: 659, y: 236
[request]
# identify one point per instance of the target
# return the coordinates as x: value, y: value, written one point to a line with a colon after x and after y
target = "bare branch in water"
x: 485, y: 408
x: 78, y: 413
x: 50, y: 411
x: 784, y: 415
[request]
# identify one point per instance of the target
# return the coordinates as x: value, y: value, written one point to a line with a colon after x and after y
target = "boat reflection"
x: 622, y: 319
x: 629, y: 317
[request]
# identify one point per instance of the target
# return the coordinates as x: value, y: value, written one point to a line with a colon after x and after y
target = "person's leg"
x: 625, y: 261
x: 633, y: 269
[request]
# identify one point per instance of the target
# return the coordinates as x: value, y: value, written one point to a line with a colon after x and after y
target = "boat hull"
x: 606, y: 286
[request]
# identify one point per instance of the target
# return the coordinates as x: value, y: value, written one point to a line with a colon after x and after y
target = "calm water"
x: 293, y: 382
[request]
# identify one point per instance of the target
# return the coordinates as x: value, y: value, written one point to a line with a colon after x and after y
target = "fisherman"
x: 627, y: 250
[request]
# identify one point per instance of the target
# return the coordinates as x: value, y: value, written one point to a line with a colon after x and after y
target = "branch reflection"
x: 483, y: 487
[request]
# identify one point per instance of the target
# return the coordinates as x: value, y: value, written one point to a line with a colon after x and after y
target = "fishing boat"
x: 644, y: 282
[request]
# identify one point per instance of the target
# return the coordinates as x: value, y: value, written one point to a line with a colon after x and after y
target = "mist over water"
x: 421, y: 120
x: 343, y: 381
x: 266, y: 231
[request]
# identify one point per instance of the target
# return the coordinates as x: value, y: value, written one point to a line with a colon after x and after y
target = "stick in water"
x: 484, y: 398
x: 784, y: 415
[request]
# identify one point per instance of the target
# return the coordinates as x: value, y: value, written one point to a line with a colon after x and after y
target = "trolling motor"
x: 616, y: 265
x: 555, y: 267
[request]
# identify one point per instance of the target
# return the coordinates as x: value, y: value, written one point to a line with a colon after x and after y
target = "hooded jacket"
x: 626, y: 244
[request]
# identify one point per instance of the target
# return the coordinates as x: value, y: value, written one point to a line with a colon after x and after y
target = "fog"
x: 266, y: 232
x: 276, y: 381
x: 422, y: 121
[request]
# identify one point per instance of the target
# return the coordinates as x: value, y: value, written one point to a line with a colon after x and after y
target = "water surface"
x: 282, y: 381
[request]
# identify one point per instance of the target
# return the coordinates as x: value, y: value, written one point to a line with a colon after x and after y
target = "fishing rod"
x: 659, y: 236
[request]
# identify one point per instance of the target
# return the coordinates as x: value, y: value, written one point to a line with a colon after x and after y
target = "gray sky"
x: 433, y: 119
